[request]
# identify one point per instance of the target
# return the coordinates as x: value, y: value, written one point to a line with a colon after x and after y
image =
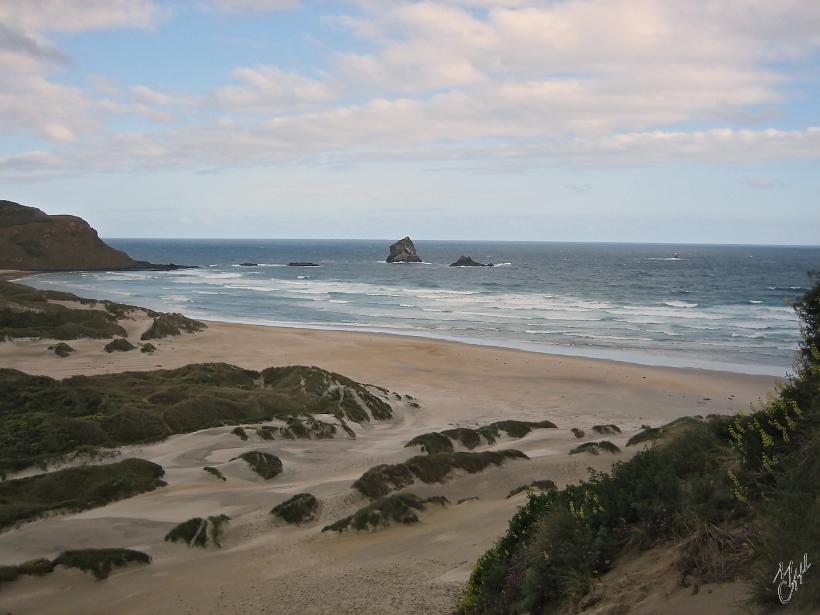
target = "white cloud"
x: 500, y: 83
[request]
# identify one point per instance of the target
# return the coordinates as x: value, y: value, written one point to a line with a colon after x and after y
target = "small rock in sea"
x: 466, y: 261
x: 302, y: 264
x: 403, y: 251
x: 248, y: 264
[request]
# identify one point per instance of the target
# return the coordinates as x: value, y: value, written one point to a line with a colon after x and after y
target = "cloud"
x: 256, y: 6
x: 494, y: 84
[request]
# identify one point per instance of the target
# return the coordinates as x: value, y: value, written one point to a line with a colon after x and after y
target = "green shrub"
x: 197, y: 532
x: 301, y: 508
x: 432, y: 443
x: 382, y: 479
x: 578, y: 433
x: 239, y: 431
x: 606, y: 430
x: 119, y: 345
x: 75, y: 489
x: 595, y: 448
x: 215, y: 472
x: 167, y: 325
x: 541, y: 485
x: 397, y: 508
x: 267, y: 465
x: 61, y: 349
x: 100, y: 562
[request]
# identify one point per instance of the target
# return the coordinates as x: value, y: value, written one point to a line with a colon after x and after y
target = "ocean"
x: 718, y: 307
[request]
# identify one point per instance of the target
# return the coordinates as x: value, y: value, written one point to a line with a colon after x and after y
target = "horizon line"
x: 559, y: 241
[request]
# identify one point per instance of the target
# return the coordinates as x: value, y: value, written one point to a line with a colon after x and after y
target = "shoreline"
x: 616, y: 355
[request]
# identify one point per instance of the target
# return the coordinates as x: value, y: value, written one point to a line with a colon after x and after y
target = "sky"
x: 561, y: 120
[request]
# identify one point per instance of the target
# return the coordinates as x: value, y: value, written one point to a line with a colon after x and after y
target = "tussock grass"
x: 42, y: 418
x: 266, y: 465
x: 301, y: 508
x: 75, y: 489
x: 540, y: 485
x: 119, y: 345
x: 215, y: 472
x: 382, y: 479
x: 397, y: 508
x: 595, y: 448
x: 100, y: 562
x: 470, y: 438
x: 199, y: 532
x: 172, y: 324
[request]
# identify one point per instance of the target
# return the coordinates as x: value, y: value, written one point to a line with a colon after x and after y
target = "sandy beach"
x: 266, y: 567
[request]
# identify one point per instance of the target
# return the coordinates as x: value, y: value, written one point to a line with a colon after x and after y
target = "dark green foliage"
x: 595, y: 448
x: 42, y: 418
x: 171, y: 324
x: 215, y: 472
x: 541, y: 485
x: 149, y: 348
x: 35, y: 567
x: 578, y: 433
x: 606, y: 430
x: 267, y: 465
x: 61, y: 349
x: 382, y: 479
x: 298, y: 429
x: 100, y: 562
x: 470, y: 438
x: 301, y: 508
x: 432, y: 443
x: 397, y: 508
x: 519, y: 429
x: 119, y: 345
x: 74, y: 489
x: 650, y: 434
x: 239, y: 431
x: 197, y: 532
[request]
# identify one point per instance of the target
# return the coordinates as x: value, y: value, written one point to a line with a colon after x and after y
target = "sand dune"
x: 267, y: 567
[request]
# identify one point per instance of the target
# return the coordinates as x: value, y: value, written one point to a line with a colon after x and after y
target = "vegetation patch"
x: 171, y: 324
x: 42, y: 418
x: 578, y: 433
x: 148, y: 348
x: 26, y: 312
x: 606, y: 430
x: 100, y: 562
x: 75, y: 489
x: 733, y: 495
x: 199, y: 532
x: 61, y: 349
x: 595, y: 448
x: 240, y: 431
x: 676, y: 427
x: 470, y: 438
x: 540, y: 485
x: 35, y: 567
x: 301, y: 508
x: 267, y: 465
x: 396, y: 508
x: 215, y: 472
x: 119, y: 345
x: 380, y: 480
x: 308, y: 428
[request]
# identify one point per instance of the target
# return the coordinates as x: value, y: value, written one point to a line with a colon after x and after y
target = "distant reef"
x: 31, y: 240
x: 302, y: 264
x: 466, y: 261
x: 403, y: 251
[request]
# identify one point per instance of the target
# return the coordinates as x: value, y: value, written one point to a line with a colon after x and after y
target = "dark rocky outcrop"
x: 248, y: 264
x: 302, y: 264
x: 31, y: 240
x: 466, y: 261
x: 403, y: 251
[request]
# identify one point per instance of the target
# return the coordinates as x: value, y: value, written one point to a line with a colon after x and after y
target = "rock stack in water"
x: 466, y: 261
x: 403, y: 251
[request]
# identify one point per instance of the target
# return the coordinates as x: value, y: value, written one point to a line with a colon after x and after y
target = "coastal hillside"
x: 33, y: 240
